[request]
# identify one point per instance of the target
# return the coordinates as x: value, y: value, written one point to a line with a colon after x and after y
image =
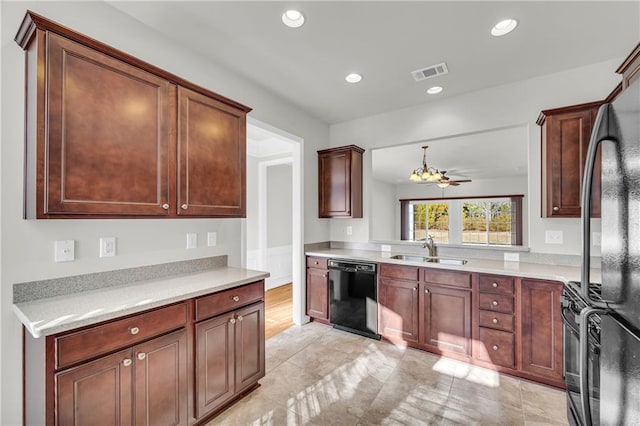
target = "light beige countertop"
x: 43, y: 317
x: 519, y: 269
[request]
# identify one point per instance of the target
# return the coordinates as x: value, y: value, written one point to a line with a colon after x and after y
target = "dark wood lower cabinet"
x: 318, y: 293
x: 541, y: 329
x: 445, y: 319
x: 143, y: 385
x: 229, y: 356
x: 398, y: 310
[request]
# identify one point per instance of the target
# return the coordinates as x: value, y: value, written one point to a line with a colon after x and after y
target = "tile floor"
x: 320, y: 376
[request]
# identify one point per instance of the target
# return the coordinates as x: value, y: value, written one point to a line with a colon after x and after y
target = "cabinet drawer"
x: 317, y: 262
x: 452, y: 278
x: 108, y: 337
x: 496, y: 320
x: 496, y: 284
x: 399, y: 271
x: 496, y: 302
x: 227, y: 300
x: 497, y: 347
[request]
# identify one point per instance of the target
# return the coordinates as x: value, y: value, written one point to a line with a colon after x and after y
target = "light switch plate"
x: 212, y: 239
x: 553, y: 237
x: 64, y: 251
x: 348, y: 230
x: 596, y: 238
x: 192, y: 240
x: 511, y: 257
x: 107, y: 246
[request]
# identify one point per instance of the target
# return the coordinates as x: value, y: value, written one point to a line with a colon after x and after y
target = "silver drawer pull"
x: 134, y: 330
x: 495, y: 347
x: 495, y: 320
x: 494, y: 285
x: 556, y: 208
x: 127, y: 362
x: 142, y: 356
x: 184, y: 206
x: 426, y: 290
x: 236, y: 298
x: 494, y: 303
x: 239, y: 317
x: 165, y: 206
x: 232, y: 320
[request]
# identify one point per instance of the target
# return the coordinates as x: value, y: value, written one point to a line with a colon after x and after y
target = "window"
x: 478, y: 220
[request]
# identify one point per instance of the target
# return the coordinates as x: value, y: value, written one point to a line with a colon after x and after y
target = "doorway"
x: 273, y: 231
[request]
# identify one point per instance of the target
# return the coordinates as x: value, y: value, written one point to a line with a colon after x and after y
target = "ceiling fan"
x: 426, y: 174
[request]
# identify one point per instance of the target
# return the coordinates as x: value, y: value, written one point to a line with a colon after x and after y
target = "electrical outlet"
x: 385, y: 247
x: 596, y: 238
x: 192, y: 240
x: 107, y: 246
x: 212, y: 239
x: 348, y: 230
x: 511, y: 257
x: 64, y: 251
x: 553, y: 237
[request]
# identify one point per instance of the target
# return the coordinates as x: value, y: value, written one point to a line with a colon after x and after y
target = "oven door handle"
x: 584, y: 361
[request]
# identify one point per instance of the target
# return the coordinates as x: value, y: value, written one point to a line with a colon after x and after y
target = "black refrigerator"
x: 617, y: 133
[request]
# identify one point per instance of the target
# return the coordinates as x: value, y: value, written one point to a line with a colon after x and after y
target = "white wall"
x: 27, y: 246
x: 253, y: 212
x: 279, y: 205
x: 503, y: 106
x: 383, y: 211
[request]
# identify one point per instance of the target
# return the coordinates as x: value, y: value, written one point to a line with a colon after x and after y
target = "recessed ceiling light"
x: 293, y: 18
x: 434, y: 90
x: 504, y: 27
x: 353, y: 77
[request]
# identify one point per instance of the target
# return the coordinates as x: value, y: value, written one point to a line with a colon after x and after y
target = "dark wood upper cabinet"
x: 630, y: 68
x: 108, y: 135
x: 211, y: 157
x: 565, y: 139
x: 340, y: 182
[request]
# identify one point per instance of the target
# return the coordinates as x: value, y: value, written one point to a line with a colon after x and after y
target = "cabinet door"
x: 108, y: 127
x: 318, y: 293
x: 340, y: 182
x: 215, y: 357
x: 564, y: 153
x: 445, y: 319
x: 211, y: 157
x: 161, y: 380
x: 249, y: 337
x: 398, y: 312
x: 541, y: 352
x: 96, y: 393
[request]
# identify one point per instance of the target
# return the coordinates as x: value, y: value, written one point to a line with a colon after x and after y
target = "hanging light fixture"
x: 425, y: 173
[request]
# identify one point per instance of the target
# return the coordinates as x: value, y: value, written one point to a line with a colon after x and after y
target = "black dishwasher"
x: 353, y: 297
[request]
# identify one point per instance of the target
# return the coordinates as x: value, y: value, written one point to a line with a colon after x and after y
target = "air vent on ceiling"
x: 429, y: 72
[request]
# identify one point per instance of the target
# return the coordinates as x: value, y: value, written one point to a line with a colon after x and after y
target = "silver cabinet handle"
x: 495, y: 320
x: 127, y: 362
x: 317, y: 263
x: 556, y: 208
x: 494, y: 285
x: 494, y: 303
x: 426, y: 290
x: 324, y: 276
x: 142, y: 356
x: 134, y: 330
x: 165, y: 206
x: 184, y: 207
x: 239, y: 317
x: 495, y: 347
x: 236, y: 298
x: 232, y: 320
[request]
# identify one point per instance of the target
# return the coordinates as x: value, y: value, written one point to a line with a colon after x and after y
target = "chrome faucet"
x: 430, y: 246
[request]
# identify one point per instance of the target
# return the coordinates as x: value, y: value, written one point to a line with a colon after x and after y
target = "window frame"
x: 516, y: 202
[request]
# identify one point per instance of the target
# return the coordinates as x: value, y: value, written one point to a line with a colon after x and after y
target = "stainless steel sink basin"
x: 443, y: 260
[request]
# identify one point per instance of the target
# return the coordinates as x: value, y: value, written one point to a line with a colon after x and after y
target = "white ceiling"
x: 386, y: 40
x: 496, y: 154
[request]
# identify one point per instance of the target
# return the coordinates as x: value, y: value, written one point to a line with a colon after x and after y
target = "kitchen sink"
x: 443, y: 260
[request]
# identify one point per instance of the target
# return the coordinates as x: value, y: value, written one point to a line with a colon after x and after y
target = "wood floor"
x: 278, y: 309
